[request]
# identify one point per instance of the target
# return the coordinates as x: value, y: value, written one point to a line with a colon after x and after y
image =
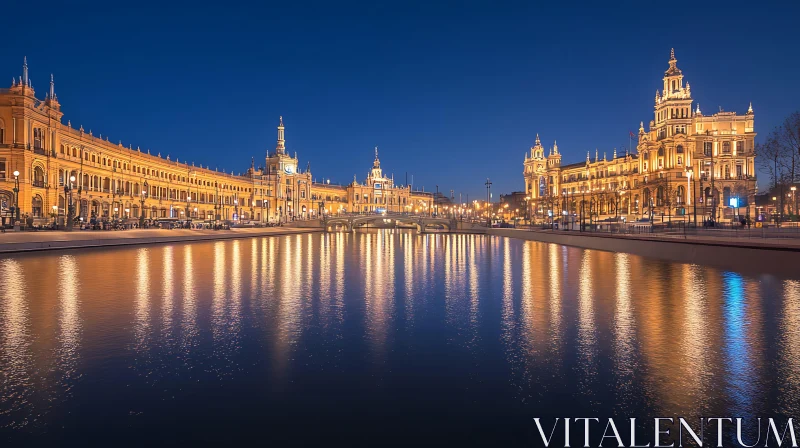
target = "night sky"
x: 451, y: 92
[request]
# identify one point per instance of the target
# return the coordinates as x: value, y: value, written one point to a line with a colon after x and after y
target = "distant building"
x: 114, y: 181
x: 513, y: 205
x: 687, y: 164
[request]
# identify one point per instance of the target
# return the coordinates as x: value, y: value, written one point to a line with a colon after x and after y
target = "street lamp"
x: 794, y: 189
x: 16, y: 194
x: 70, y: 206
x: 55, y: 214
x: 775, y: 208
x: 141, y: 200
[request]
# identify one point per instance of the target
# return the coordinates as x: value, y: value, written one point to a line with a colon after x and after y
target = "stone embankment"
x: 778, y: 256
x: 53, y: 240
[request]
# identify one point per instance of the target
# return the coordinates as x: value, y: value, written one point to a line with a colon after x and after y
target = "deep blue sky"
x: 451, y: 92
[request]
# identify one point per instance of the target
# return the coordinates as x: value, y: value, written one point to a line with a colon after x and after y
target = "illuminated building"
x: 687, y: 165
x: 114, y: 181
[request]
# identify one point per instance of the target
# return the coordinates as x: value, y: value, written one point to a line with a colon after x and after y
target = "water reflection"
x: 369, y: 322
x: 69, y: 338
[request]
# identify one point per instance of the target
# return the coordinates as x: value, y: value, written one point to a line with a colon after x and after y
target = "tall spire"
x: 376, y: 163
x: 750, y: 109
x: 281, y: 146
x: 52, y: 87
x: 537, y: 139
x: 555, y: 147
x: 25, y: 80
x: 596, y: 153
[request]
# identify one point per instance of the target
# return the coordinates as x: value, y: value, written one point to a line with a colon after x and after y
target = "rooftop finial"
x: 52, y: 87
x: 750, y: 109
x: 376, y: 153
x: 25, y: 80
x: 672, y: 54
x: 698, y: 110
x: 281, y: 118
x: 537, y: 139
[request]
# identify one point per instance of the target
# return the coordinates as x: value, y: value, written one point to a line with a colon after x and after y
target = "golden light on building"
x: 106, y: 178
x: 659, y: 177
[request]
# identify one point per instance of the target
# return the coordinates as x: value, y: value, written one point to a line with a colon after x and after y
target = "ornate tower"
x: 281, y: 147
x: 376, y: 172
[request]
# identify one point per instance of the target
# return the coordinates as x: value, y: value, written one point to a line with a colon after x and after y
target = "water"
x: 379, y: 338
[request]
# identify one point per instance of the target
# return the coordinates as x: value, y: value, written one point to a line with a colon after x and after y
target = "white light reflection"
x: 69, y: 320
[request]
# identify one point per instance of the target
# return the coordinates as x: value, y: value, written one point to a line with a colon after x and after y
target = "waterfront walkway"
x: 754, y: 239
x: 52, y: 240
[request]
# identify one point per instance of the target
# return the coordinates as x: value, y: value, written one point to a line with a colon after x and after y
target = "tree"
x: 779, y: 155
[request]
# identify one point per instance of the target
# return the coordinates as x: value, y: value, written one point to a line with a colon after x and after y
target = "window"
x: 2, y: 132
x: 680, y: 160
x: 739, y: 171
x: 38, y: 177
x: 741, y: 146
x: 679, y: 149
x: 2, y: 168
x: 708, y: 147
x: 37, y: 138
x: 726, y: 147
x: 37, y: 206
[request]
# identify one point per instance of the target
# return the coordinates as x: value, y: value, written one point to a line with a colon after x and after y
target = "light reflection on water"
x: 387, y: 329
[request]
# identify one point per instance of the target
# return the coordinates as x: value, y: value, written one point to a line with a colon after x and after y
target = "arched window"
x: 681, y: 193
x: 679, y: 149
x: 36, y: 206
x: 2, y: 132
x: 661, y: 152
x: 38, y: 176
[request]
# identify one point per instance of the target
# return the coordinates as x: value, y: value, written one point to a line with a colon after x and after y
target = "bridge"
x: 421, y: 223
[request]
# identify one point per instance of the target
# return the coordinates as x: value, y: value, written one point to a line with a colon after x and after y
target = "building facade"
x: 688, y: 166
x: 46, y: 165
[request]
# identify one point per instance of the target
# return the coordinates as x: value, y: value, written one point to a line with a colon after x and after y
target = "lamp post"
x: 16, y: 195
x: 141, y: 200
x: 794, y: 193
x: 236, y: 209
x: 690, y: 173
x: 55, y: 214
x: 70, y: 205
x: 775, y: 209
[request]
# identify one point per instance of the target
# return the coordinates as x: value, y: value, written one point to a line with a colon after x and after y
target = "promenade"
x: 775, y: 256
x: 11, y: 242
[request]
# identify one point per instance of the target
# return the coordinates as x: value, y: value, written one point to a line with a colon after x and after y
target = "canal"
x: 379, y: 338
